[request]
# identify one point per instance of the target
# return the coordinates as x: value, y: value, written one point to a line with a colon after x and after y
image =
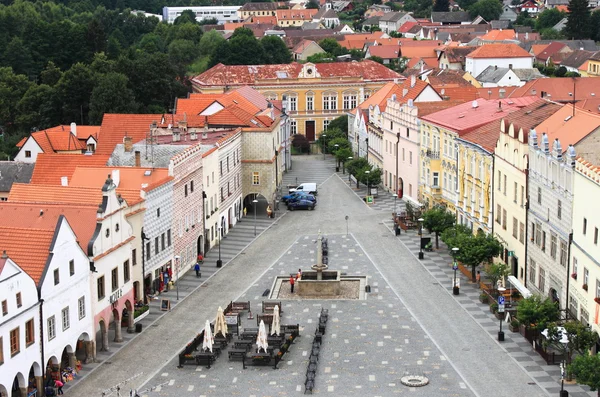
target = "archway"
x: 199, y: 242
x: 400, y: 191
x: 554, y: 296
x: 69, y: 365
x: 230, y: 217
x: 136, y: 291
x: 19, y: 388
x: 116, y: 317
x: 103, y: 330
x: 52, y: 371
x: 3, y: 391
x: 35, y: 382
x: 223, y: 227
x: 127, y: 317
x: 260, y: 206
x: 84, y: 349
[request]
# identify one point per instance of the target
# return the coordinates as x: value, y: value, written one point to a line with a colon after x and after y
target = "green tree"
x: 585, y: 369
x: 322, y: 57
x: 580, y: 338
x: 111, y: 95
x: 524, y: 19
x: 38, y: 109
x: 377, y: 59
x: 181, y: 54
x: 74, y: 91
x: 187, y: 16
x: 12, y: 88
x: 241, y: 49
x: 209, y: 42
x: 312, y: 5
x: 18, y: 56
x: 551, y: 34
x: 340, y: 123
x: 356, y: 166
x: 577, y: 27
x: 332, y: 46
x: 441, y: 6
x: 548, y: 18
x: 342, y: 155
x: 466, y: 4
x: 488, y: 9
x: 276, y: 52
x: 496, y: 272
x: 437, y: 220
x: 475, y: 250
x: 51, y: 74
x: 537, y: 312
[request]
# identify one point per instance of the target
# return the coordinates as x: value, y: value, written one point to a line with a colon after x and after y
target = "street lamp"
x: 395, y: 197
x: 501, y: 310
x: 337, y: 167
x: 323, y: 136
x: 349, y: 180
x: 420, y: 220
x: 177, y: 258
x: 254, y: 202
x: 455, y: 287
x: 368, y: 183
x: 219, y: 261
x: 347, y: 217
x: 564, y: 340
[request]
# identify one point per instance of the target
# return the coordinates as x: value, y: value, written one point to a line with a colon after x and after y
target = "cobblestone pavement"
x: 424, y: 331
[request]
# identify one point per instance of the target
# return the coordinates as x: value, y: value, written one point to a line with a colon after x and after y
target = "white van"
x: 305, y: 187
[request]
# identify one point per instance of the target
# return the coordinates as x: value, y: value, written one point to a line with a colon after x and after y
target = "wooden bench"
x: 248, y: 335
x: 237, y: 354
x: 205, y: 359
x: 243, y: 344
x: 268, y: 307
x: 293, y: 329
x: 237, y: 307
x: 267, y: 318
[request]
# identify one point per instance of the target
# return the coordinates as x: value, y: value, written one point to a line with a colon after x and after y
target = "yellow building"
x: 257, y: 10
x: 455, y: 173
x: 593, y: 66
x: 312, y: 94
x: 286, y: 18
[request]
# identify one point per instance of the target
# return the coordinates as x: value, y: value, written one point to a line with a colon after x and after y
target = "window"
x: 563, y: 252
x: 504, y: 191
x: 29, y: 333
x: 114, y: 277
x: 326, y: 124
x: 100, y: 287
x: 185, y: 190
x: 148, y: 247
x: 573, y: 306
x: 543, y: 240
x: 542, y: 281
x: 559, y: 209
x: 156, y: 246
x: 499, y: 181
x: 515, y: 192
x: 19, y: 300
x: 293, y: 127
x: 330, y: 101
x: 539, y: 195
x: 15, y: 345
x: 255, y: 178
x: 597, y: 288
x: 51, y: 328
x: 504, y: 219
x: 192, y: 182
x: 596, y: 235
x: 66, y: 322
x: 537, y: 229
x: 522, y: 232
x: 56, y: 277
x: 436, y: 179
x: 586, y: 276
x: 169, y: 238
x: 28, y: 154
x: 584, y: 226
x: 310, y: 100
x: 293, y: 101
x: 515, y: 227
x: 4, y: 307
x: 349, y: 101
x: 553, y: 245
x: 522, y: 196
x: 126, y: 275
x: 81, y: 307
x: 498, y: 214
x: 574, y: 265
x: 410, y: 158
x: 134, y: 257
x: 162, y: 242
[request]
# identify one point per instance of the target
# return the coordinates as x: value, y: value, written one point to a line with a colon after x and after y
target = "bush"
x: 141, y: 310
x: 484, y: 298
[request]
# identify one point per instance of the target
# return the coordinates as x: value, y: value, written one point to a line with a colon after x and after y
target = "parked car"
x: 305, y: 187
x: 296, y: 196
x: 301, y: 204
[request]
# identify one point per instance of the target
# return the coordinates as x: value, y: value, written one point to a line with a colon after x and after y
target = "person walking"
x: 299, y: 274
x: 59, y: 385
x: 197, y: 269
x: 166, y: 278
x: 292, y: 282
x: 245, y: 211
x: 478, y: 277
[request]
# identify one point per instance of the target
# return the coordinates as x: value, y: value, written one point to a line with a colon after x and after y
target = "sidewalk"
x: 236, y: 241
x: 438, y: 264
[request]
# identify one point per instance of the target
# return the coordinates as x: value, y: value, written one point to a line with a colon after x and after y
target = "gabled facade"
x: 500, y: 55
x: 230, y: 181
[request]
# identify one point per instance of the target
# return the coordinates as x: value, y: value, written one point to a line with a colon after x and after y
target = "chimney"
x: 116, y: 177
x: 128, y: 144
x: 176, y: 135
x: 495, y: 67
x: 138, y: 159
x: 404, y: 92
x: 74, y: 129
x: 413, y: 81
x: 4, y: 256
x: 41, y: 212
x: 533, y: 138
x: 64, y: 181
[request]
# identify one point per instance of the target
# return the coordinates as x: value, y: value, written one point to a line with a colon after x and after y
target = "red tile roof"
x: 426, y: 108
x: 21, y: 192
x: 130, y: 178
x: 471, y: 115
x: 406, y: 26
x: 561, y: 90
x: 499, y: 35
x: 499, y: 51
x: 457, y: 92
x: 49, y: 168
x: 236, y: 75
x: 385, y: 51
x: 52, y: 141
x: 494, y: 92
x: 116, y: 126
x: 527, y: 118
x: 28, y: 248
x: 567, y: 129
x: 551, y: 50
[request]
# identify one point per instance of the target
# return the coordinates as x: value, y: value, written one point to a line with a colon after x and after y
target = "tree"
x: 551, y: 34
x: 341, y: 142
x: 321, y: 57
x: 496, y: 272
x: 577, y: 27
x: 312, y: 5
x: 38, y: 109
x: 276, y: 52
x: 340, y: 123
x: 488, y: 9
x: 187, y: 16
x: 524, y: 19
x: 12, y: 88
x: 356, y: 166
x: 300, y: 143
x: 51, y: 74
x: 537, y: 312
x: 548, y: 18
x: 241, y: 49
x: 182, y: 53
x: 18, y: 56
x: 585, y: 369
x: 466, y: 4
x: 580, y: 338
x: 332, y: 46
x: 437, y: 220
x: 342, y: 155
x: 441, y: 6
x: 475, y: 249
x: 111, y: 95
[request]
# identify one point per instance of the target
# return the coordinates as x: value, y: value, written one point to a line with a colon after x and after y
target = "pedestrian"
x: 292, y: 282
x: 245, y: 211
x: 166, y: 279
x: 478, y: 278
x: 59, y: 385
x: 200, y: 258
x: 197, y: 269
x: 299, y: 274
x: 269, y: 211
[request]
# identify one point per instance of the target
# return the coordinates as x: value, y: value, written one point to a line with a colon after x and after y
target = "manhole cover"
x: 414, y: 380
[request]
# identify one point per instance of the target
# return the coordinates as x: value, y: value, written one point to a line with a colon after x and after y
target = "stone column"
x: 39, y: 384
x: 105, y: 340
x: 130, y: 324
x: 118, y: 336
x: 72, y: 360
x: 89, y: 352
x: 23, y: 391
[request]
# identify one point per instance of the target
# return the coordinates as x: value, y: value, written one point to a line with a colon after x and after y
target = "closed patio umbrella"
x: 220, y: 324
x: 276, y: 326
x: 261, y: 339
x: 207, y: 344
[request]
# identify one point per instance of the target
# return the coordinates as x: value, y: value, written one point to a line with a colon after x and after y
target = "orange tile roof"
x: 499, y: 51
x: 441, y: 77
x: 82, y: 219
x: 379, y: 96
x: 494, y: 92
x: 296, y: 15
x: 562, y: 8
x: 28, y: 248
x: 537, y: 49
x: 426, y: 108
x: 406, y: 26
x: 130, y: 178
x: 27, y: 193
x: 418, y: 52
x: 385, y: 51
x: 301, y: 46
x: 116, y: 126
x: 567, y: 129
x: 584, y: 66
x: 561, y: 90
x: 471, y: 115
x: 527, y: 118
x: 551, y: 50
x: 49, y: 168
x: 499, y: 35
x: 457, y: 92
x: 52, y: 141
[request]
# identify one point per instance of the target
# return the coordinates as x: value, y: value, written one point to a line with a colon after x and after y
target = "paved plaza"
x: 408, y: 324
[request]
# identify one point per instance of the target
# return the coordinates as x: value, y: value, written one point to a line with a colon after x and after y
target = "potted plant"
x: 584, y: 286
x: 484, y: 298
x: 494, y: 307
x: 514, y: 325
x: 515, y: 294
x: 574, y: 276
x: 597, y: 299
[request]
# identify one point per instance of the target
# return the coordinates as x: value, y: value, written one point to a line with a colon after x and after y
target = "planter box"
x: 513, y: 329
x: 141, y: 316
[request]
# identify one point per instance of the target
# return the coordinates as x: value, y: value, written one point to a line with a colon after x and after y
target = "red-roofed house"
x: 388, y: 53
x: 439, y: 132
x: 501, y: 55
x: 51, y: 168
x: 306, y: 48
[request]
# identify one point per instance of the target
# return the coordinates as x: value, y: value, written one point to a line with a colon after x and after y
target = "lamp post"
x: 254, y: 202
x: 349, y: 180
x: 563, y: 367
x: 455, y: 287
x: 501, y: 310
x: 368, y: 183
x: 347, y: 217
x: 219, y: 261
x: 395, y: 197
x: 177, y: 258
x: 337, y: 167
x: 420, y: 220
x: 323, y: 136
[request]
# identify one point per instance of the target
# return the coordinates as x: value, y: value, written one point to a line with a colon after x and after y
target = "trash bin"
x: 425, y: 241
x: 138, y: 327
x: 397, y: 230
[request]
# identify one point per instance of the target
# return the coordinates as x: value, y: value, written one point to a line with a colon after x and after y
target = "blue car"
x: 301, y: 204
x: 297, y: 195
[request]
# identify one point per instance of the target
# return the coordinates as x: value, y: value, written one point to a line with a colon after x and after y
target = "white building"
x: 230, y: 180
x: 223, y: 14
x: 501, y: 55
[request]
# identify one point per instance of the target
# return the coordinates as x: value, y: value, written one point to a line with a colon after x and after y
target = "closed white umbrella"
x: 276, y: 326
x: 220, y: 324
x: 207, y: 344
x: 261, y: 339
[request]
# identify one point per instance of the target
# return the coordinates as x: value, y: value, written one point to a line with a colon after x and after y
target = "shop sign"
x: 116, y: 296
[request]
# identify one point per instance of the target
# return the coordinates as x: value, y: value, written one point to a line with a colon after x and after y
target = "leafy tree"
x: 51, y: 74
x: 209, y: 21
x: 441, y: 6
x: 276, y: 52
x: 585, y: 369
x: 209, y: 42
x: 241, y: 49
x: 377, y: 59
x: 342, y: 143
x: 437, y: 220
x: 466, y: 4
x: 38, y: 109
x: 12, y: 88
x: 524, y: 19
x: 476, y: 249
x: 74, y: 90
x: 342, y: 155
x: 551, y: 34
x: 187, y: 16
x: 340, y: 123
x: 333, y: 47
x: 577, y: 27
x: 182, y: 53
x: 111, y: 95
x: 488, y: 9
x: 561, y: 71
x: 450, y: 235
x: 322, y: 57
x: 312, y: 5
x: 537, y: 312
x: 18, y: 56
x: 496, y: 272
x: 548, y: 18
x: 580, y: 338
x: 300, y: 143
x: 356, y: 165
x: 372, y: 178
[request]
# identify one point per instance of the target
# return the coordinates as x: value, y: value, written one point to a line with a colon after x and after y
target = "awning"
x: 519, y: 286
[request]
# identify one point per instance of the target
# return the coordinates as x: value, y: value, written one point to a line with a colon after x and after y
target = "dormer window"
x: 107, y: 233
x: 116, y: 228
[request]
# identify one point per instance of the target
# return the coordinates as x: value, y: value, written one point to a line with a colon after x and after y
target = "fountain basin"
x: 309, y: 286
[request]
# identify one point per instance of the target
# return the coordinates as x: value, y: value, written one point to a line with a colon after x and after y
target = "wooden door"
x: 310, y: 131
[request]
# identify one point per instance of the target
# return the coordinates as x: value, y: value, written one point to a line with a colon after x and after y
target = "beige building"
x: 306, y: 48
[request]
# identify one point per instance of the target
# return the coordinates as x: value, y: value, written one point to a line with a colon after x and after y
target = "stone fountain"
x: 319, y: 281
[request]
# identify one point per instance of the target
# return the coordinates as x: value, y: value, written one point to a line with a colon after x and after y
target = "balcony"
x: 435, y: 155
